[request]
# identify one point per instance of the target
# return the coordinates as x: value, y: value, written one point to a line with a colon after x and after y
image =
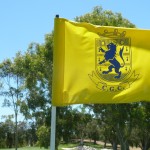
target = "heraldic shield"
x: 113, y: 58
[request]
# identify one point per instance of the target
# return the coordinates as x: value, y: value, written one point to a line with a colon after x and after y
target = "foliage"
x: 141, y: 131
x: 43, y: 136
x: 26, y: 133
x: 105, y: 18
x: 93, y: 130
x: 7, y: 132
x: 11, y: 73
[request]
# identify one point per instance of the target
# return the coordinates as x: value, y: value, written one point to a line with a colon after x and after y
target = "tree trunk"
x: 114, y: 145
x: 105, y: 144
x: 16, y: 131
x: 123, y: 140
x: 94, y: 141
x: 145, y: 145
x: 124, y: 146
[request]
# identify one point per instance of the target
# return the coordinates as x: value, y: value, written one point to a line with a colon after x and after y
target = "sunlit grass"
x: 70, y: 145
x: 24, y: 148
x: 63, y: 145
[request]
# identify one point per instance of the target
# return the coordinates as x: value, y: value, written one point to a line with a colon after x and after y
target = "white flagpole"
x: 53, y: 128
x: 53, y: 124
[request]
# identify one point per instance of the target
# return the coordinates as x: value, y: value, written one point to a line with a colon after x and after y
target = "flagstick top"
x: 57, y: 16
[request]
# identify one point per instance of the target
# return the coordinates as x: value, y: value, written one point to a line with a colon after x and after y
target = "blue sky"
x: 26, y: 21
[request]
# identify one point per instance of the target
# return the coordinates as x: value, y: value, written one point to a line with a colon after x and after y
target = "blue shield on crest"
x: 113, y: 58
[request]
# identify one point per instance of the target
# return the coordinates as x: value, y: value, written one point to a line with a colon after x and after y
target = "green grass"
x: 38, y: 148
x: 25, y: 148
x: 70, y: 145
x: 97, y: 146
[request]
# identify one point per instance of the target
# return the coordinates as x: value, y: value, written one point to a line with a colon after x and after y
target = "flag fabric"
x: 99, y: 64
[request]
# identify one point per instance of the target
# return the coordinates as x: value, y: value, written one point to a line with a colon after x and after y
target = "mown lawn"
x: 28, y: 148
x: 71, y: 145
x: 38, y: 148
x: 25, y: 148
x: 97, y: 146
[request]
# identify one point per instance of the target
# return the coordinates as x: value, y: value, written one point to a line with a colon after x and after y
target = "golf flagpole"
x: 53, y: 128
x: 53, y: 124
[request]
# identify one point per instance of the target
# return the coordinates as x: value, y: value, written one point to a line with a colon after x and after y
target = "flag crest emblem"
x: 113, y: 56
x: 113, y: 62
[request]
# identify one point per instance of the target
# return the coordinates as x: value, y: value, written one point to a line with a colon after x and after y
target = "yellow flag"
x: 99, y: 64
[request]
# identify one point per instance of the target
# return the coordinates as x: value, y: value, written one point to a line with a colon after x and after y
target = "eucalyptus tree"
x: 93, y: 130
x: 105, y: 18
x: 140, y: 136
x: 7, y: 132
x: 37, y: 64
x: 37, y: 73
x: 11, y: 74
x: 43, y: 134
